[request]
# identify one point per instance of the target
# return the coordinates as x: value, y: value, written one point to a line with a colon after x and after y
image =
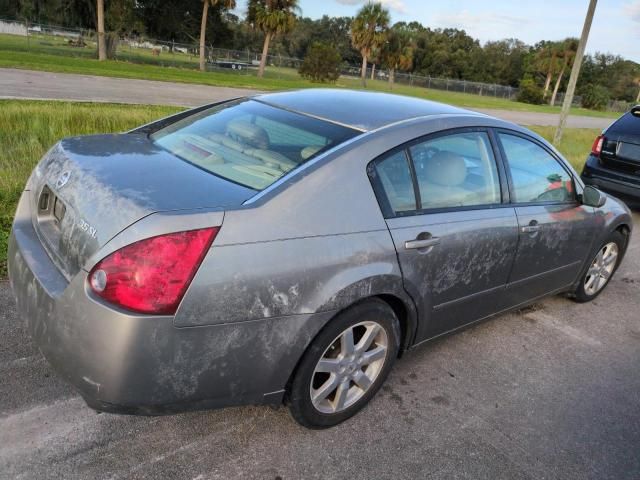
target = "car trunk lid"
x: 88, y: 189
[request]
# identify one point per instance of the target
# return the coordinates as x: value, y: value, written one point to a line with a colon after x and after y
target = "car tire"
x: 598, y: 272
x: 337, y: 377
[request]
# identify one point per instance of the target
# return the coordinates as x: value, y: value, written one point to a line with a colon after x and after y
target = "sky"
x: 615, y: 28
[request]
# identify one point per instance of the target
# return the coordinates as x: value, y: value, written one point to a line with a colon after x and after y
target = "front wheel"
x: 345, y: 365
x: 601, y: 268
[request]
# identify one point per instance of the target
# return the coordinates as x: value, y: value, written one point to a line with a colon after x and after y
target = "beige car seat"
x: 441, y: 180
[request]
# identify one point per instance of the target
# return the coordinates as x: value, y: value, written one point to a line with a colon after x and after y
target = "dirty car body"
x: 310, y: 202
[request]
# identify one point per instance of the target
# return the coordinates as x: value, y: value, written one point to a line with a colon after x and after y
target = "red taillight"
x: 596, y: 148
x: 152, y: 275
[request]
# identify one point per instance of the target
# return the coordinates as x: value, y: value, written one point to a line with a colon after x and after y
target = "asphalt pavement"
x: 29, y: 84
x: 16, y: 83
x: 550, y: 392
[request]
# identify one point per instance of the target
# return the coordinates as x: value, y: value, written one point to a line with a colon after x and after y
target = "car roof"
x: 627, y: 124
x: 358, y: 109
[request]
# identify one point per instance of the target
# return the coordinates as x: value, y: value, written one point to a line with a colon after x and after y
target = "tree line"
x: 368, y: 39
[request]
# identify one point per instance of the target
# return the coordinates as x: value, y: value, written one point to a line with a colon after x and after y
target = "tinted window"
x: 282, y: 134
x: 456, y: 171
x: 248, y: 142
x: 628, y: 124
x: 395, y: 179
x: 537, y: 176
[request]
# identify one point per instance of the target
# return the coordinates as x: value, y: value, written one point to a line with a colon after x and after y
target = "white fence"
x: 13, y: 28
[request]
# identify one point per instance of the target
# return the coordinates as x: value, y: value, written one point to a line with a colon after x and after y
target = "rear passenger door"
x: 452, y: 226
x: 555, y: 229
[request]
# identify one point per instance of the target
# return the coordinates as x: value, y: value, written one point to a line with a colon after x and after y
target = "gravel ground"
x: 16, y: 83
x: 548, y: 392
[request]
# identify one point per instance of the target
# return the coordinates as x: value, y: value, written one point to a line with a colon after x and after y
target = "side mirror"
x: 592, y: 197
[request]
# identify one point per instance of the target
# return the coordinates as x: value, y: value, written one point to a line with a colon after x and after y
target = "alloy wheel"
x: 601, y: 269
x: 349, y: 367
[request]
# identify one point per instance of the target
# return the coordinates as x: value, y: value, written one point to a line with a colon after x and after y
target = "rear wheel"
x: 345, y: 365
x: 601, y: 268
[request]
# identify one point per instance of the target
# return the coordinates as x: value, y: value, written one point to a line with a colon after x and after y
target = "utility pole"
x: 102, y: 48
x: 575, y: 72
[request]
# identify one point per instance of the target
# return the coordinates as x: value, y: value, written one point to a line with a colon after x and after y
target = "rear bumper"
x: 137, y: 364
x: 620, y: 184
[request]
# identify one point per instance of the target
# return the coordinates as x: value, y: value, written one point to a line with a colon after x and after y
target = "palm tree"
x: 225, y: 4
x: 569, y: 48
x: 397, y: 52
x: 273, y: 17
x: 636, y: 82
x: 102, y: 47
x: 374, y: 58
x: 547, y: 61
x: 368, y: 31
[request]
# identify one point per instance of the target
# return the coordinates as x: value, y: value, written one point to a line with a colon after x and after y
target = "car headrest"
x: 226, y: 141
x: 272, y: 159
x: 310, y: 151
x: 445, y: 168
x: 248, y: 133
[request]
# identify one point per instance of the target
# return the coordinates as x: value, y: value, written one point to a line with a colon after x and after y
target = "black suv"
x: 614, y: 162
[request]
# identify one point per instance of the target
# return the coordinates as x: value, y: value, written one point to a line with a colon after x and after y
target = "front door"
x: 454, y: 236
x: 555, y: 229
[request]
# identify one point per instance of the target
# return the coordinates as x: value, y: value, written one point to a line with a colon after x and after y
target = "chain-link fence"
x: 436, y: 83
x: 55, y: 39
x: 619, y: 106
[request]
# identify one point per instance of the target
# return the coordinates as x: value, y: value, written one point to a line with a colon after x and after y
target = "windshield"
x: 248, y: 142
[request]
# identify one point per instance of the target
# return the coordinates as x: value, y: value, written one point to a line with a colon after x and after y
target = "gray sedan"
x: 289, y: 247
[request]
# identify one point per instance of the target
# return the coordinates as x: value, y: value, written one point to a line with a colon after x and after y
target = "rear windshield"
x: 248, y: 142
x: 628, y: 124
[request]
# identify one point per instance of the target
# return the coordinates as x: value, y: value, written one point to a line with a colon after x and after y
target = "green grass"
x: 59, y: 46
x: 575, y: 144
x: 53, y: 55
x: 29, y: 128
x: 60, y: 64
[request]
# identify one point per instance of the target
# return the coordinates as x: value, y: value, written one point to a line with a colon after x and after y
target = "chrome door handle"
x: 530, y: 229
x: 426, y: 243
